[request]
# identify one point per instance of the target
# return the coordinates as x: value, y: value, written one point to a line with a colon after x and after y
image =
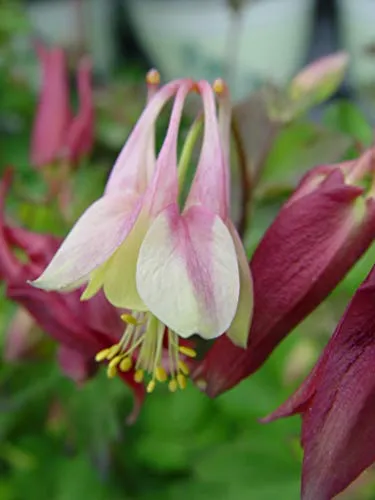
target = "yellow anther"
x: 219, y: 86
x: 111, y: 371
x: 151, y: 386
x: 153, y: 77
x: 201, y: 384
x: 138, y: 376
x: 102, y: 355
x: 160, y: 374
x: 125, y: 364
x: 113, y: 351
x: 114, y: 361
x: 181, y: 379
x: 188, y: 351
x: 195, y: 88
x: 183, y: 367
x: 128, y: 318
x: 173, y: 386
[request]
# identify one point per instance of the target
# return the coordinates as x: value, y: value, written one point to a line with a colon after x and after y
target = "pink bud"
x: 53, y: 113
x: 320, y: 77
x: 80, y: 134
x: 56, y: 133
x: 315, y: 239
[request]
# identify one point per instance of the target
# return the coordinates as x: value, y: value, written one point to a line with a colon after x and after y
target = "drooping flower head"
x: 178, y: 271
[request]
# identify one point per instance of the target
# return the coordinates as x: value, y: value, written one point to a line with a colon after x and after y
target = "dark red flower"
x: 337, y: 403
x: 81, y: 328
x: 315, y: 239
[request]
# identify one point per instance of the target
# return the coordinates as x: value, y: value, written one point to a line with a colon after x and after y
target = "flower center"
x: 142, y: 348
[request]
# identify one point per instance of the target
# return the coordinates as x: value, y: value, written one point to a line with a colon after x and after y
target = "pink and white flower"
x: 179, y: 271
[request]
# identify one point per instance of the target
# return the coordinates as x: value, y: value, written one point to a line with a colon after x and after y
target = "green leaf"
x: 344, y: 116
x: 301, y: 146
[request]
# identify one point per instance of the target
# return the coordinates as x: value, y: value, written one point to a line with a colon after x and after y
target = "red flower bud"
x: 53, y: 113
x: 56, y: 133
x: 80, y: 135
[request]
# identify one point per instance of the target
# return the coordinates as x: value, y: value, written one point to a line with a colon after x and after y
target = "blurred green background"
x: 63, y: 442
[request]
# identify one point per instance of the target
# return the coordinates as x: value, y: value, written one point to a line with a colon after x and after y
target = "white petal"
x: 187, y: 272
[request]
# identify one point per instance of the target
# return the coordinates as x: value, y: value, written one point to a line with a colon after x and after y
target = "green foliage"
x: 63, y: 442
x: 345, y: 117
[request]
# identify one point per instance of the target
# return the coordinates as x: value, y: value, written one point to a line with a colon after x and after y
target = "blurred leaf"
x: 344, y: 116
x: 256, y: 131
x: 301, y: 146
x: 250, y: 468
x: 99, y: 399
x: 177, y: 413
x: 163, y: 453
x: 78, y: 479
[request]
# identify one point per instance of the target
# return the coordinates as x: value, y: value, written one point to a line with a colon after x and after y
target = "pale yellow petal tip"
x: 38, y: 283
x: 238, y: 337
x: 86, y: 295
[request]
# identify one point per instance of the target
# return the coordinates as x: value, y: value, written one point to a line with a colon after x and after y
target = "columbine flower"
x: 337, y: 403
x: 315, y: 239
x: 57, y: 135
x: 177, y: 272
x: 80, y: 328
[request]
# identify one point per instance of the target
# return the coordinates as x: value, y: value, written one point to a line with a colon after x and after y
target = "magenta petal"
x: 9, y: 265
x: 53, y: 113
x: 80, y: 135
x: 337, y: 403
x: 74, y: 365
x: 210, y: 185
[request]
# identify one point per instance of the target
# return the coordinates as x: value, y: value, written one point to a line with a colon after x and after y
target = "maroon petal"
x: 53, y: 113
x: 337, y: 403
x: 74, y: 365
x: 9, y: 266
x: 53, y: 314
x: 80, y: 136
x: 39, y: 248
x: 313, y: 242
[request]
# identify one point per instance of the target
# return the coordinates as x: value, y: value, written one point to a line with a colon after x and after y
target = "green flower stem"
x: 187, y: 151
